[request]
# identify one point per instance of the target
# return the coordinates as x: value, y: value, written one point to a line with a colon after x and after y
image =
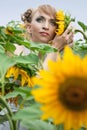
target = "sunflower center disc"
x: 74, y: 96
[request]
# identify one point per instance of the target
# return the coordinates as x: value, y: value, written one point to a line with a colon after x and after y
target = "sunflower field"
x: 54, y: 100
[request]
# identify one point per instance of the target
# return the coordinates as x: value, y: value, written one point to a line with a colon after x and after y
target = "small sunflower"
x: 63, y: 91
x: 62, y: 20
x: 60, y: 17
x: 15, y: 72
x: 9, y: 31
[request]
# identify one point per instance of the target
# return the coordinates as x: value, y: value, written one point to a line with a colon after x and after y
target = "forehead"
x: 44, y: 14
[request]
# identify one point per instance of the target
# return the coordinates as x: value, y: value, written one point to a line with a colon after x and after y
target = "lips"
x: 44, y: 33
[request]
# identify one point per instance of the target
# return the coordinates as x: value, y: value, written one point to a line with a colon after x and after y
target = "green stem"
x: 8, y: 117
x: 3, y: 91
x: 5, y: 104
x: 13, y: 123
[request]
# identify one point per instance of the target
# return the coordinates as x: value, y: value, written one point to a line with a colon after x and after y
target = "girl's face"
x: 42, y: 27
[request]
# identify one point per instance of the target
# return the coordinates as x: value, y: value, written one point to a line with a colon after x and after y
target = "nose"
x: 46, y: 26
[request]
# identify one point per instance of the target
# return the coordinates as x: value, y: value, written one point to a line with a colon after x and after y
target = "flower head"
x: 15, y: 72
x: 62, y: 20
x: 9, y: 31
x: 63, y: 91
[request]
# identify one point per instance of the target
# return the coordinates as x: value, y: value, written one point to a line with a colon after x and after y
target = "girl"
x: 41, y: 26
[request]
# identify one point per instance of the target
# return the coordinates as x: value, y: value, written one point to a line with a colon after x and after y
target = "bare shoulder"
x: 19, y: 49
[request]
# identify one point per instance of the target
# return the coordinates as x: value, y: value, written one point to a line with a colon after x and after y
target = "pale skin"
x: 42, y: 29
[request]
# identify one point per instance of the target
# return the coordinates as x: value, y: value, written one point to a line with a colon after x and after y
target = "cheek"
x: 52, y: 32
x: 34, y: 28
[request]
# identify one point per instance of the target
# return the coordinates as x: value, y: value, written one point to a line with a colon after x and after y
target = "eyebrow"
x: 44, y: 17
x: 41, y: 16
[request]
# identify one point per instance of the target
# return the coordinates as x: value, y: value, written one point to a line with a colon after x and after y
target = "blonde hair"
x: 26, y: 17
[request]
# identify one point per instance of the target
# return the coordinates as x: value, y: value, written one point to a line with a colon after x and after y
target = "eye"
x: 40, y: 19
x: 53, y: 23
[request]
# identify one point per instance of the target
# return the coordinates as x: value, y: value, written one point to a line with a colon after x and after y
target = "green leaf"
x: 28, y: 59
x: 82, y: 53
x: 38, y: 125
x: 83, y: 26
x: 2, y: 49
x: 2, y: 33
x: 10, y: 47
x: 29, y: 113
x: 42, y: 47
x: 83, y: 128
x: 3, y: 118
x: 5, y: 63
x: 22, y: 91
x: 60, y: 127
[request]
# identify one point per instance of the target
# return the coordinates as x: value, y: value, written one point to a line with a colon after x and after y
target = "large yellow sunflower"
x: 63, y: 91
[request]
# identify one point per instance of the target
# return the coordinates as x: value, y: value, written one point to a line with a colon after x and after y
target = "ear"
x: 28, y: 28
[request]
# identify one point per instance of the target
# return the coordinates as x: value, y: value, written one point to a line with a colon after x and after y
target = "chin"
x: 44, y: 41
